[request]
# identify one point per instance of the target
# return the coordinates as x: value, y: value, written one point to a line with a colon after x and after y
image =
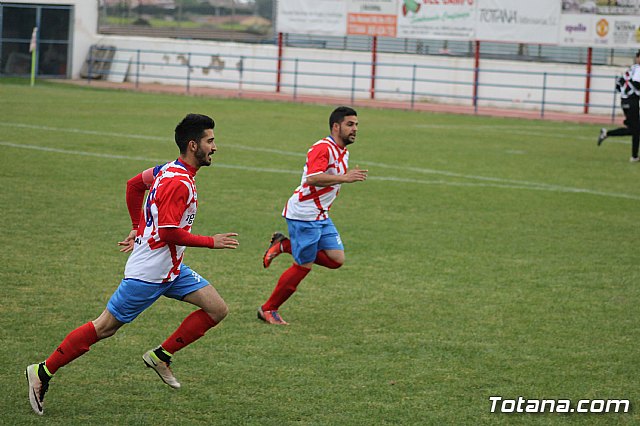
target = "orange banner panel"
x: 372, y: 24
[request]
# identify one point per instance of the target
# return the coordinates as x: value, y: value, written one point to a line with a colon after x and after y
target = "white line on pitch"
x: 290, y: 153
x: 495, y: 184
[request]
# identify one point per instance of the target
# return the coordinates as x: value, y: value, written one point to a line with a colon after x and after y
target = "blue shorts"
x: 134, y: 296
x: 308, y: 238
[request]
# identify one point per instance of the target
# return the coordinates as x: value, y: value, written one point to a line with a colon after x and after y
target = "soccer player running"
x: 629, y: 88
x: 160, y: 234
x: 312, y: 236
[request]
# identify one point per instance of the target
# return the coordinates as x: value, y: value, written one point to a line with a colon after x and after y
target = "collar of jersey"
x: 192, y: 170
x: 334, y: 142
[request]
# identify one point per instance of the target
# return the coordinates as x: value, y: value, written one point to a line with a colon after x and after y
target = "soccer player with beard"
x: 313, y: 238
x: 161, y: 232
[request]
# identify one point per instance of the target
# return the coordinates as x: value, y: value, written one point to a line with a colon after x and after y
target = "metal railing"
x: 404, y: 82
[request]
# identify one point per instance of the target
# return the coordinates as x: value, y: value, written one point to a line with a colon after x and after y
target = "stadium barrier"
x: 392, y: 79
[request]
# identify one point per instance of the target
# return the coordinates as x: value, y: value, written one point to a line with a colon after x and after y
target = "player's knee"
x: 224, y: 311
x: 335, y: 263
x: 106, y: 325
x: 219, y: 313
x: 103, y: 332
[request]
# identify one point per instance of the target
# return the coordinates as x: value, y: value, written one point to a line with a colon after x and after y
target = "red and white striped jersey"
x: 310, y: 202
x: 171, y: 203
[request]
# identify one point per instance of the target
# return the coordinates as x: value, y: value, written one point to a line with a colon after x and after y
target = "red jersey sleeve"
x: 135, y: 198
x: 171, y: 200
x: 136, y: 188
x: 181, y: 237
x: 317, y: 159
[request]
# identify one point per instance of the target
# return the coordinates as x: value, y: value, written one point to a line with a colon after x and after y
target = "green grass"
x: 485, y: 256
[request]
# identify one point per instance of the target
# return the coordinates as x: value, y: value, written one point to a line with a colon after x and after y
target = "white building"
x: 67, y: 29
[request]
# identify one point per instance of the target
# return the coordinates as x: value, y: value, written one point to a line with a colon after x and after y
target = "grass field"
x: 485, y: 256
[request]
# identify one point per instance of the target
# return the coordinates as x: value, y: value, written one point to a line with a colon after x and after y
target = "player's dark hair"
x: 338, y: 115
x: 638, y: 54
x: 192, y: 128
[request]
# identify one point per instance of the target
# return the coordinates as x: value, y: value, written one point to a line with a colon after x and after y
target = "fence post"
x: 295, y: 80
x: 240, y: 67
x: 374, y: 50
x: 353, y: 82
x: 476, y: 76
x: 279, y: 67
x: 90, y: 68
x: 137, y: 68
x: 188, y: 72
x: 587, y: 91
x: 413, y: 86
x: 544, y: 93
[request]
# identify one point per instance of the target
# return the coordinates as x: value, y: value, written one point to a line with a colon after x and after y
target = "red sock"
x: 74, y: 345
x: 192, y: 328
x: 285, y: 246
x: 323, y: 259
x: 286, y: 286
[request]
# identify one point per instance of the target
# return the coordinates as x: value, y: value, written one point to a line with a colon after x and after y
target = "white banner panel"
x: 436, y: 19
x: 577, y: 30
x: 518, y: 21
x: 616, y: 31
x: 600, y: 24
x: 323, y: 17
x: 589, y: 30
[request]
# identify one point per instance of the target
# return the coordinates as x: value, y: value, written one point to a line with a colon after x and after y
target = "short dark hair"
x: 638, y: 54
x: 338, y: 115
x: 192, y: 128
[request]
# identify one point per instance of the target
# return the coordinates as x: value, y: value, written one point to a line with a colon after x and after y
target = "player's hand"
x: 356, y: 175
x: 127, y: 243
x: 225, y: 241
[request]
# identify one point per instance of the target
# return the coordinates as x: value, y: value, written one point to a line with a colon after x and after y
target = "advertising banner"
x: 600, y: 24
x: 624, y: 31
x: 322, y: 17
x: 577, y: 30
x: 436, y: 19
x: 610, y: 23
x: 372, y: 18
x: 518, y: 21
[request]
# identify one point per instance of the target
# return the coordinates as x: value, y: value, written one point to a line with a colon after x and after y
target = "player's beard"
x: 203, y: 157
x: 347, y: 140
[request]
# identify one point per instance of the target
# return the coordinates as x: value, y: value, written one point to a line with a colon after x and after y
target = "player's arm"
x: 317, y: 165
x: 635, y: 78
x: 325, y: 179
x: 181, y: 237
x: 136, y: 188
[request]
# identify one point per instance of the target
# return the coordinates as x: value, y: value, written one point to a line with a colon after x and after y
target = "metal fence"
x: 404, y: 82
